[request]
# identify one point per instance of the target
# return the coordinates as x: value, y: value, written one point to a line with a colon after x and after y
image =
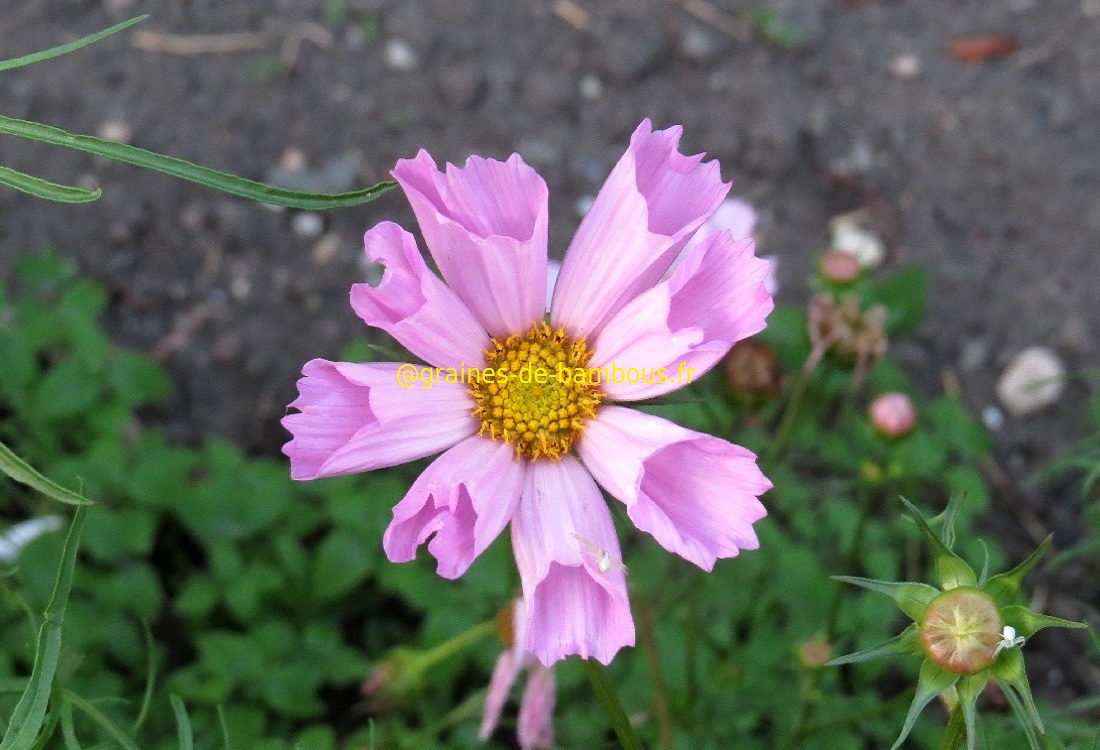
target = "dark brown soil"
x: 987, y: 173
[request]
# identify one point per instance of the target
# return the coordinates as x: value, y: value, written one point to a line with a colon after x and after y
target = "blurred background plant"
x: 270, y: 602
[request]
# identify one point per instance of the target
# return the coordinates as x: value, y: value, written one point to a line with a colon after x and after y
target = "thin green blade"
x: 51, y: 191
x: 185, y: 170
x: 64, y: 49
x: 21, y: 471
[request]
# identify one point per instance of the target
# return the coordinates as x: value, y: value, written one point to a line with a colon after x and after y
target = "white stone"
x: 1033, y: 380
x: 400, y: 55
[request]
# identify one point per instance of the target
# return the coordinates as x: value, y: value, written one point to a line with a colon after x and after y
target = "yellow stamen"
x: 534, y: 392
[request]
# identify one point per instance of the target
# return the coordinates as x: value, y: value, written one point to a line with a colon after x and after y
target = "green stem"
x: 955, y: 735
x: 648, y: 641
x: 461, y: 641
x: 601, y: 685
x: 783, y: 434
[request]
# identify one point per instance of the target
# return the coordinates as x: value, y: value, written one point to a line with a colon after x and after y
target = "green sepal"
x: 905, y: 642
x: 1028, y: 623
x: 1009, y: 672
x: 951, y: 569
x: 1004, y: 587
x: 969, y: 688
x: 1020, y: 710
x: 984, y: 575
x: 932, y: 682
x: 911, y: 598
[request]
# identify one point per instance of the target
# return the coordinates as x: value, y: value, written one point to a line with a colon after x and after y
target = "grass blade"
x: 27, y: 718
x: 64, y: 49
x: 185, y: 170
x: 21, y: 471
x: 99, y: 718
x: 183, y: 724
x: 51, y: 191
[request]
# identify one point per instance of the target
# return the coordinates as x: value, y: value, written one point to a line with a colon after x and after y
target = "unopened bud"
x: 815, y: 653
x: 840, y: 267
x: 751, y: 369
x: 961, y: 629
x: 893, y: 415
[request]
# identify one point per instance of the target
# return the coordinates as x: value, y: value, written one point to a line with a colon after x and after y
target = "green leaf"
x: 21, y: 471
x: 66, y: 390
x: 932, y: 682
x: 903, y: 295
x: 1004, y: 587
x: 50, y: 191
x: 911, y: 598
x: 137, y: 379
x: 99, y: 718
x: 64, y: 49
x: 775, y: 29
x: 904, y: 643
x: 185, y: 170
x: 951, y: 569
x: 341, y: 563
x: 26, y: 719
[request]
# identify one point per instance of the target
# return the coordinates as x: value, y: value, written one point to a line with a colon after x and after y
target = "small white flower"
x: 1009, y: 639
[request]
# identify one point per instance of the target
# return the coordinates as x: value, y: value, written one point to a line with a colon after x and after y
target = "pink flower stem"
x: 601, y: 685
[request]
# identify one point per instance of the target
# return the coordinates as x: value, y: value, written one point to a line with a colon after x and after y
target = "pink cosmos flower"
x: 532, y: 455
x: 536, y: 708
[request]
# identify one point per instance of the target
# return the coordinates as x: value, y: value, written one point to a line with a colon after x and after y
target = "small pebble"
x: 583, y: 204
x: 1033, y: 380
x: 906, y: 67
x: 115, y: 130
x: 400, y: 55
x: 993, y: 418
x: 591, y: 87
x: 308, y: 224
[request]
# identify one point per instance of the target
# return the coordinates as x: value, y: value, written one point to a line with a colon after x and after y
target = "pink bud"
x: 893, y: 414
x: 840, y: 267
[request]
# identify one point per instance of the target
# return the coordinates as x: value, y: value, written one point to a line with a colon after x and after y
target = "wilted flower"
x: 511, y: 446
x: 893, y: 414
x: 842, y: 327
x: 536, y: 709
x: 752, y: 369
x: 852, y: 234
x: 968, y: 631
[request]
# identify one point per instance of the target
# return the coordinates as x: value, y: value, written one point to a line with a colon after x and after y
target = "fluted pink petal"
x: 500, y: 685
x: 653, y: 201
x: 679, y: 329
x: 696, y: 494
x: 414, y: 306
x: 464, y: 498
x: 562, y: 535
x: 485, y: 225
x: 355, y: 417
x: 733, y: 215
x: 536, y: 710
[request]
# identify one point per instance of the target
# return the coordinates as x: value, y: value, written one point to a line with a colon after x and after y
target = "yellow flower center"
x: 534, y: 392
